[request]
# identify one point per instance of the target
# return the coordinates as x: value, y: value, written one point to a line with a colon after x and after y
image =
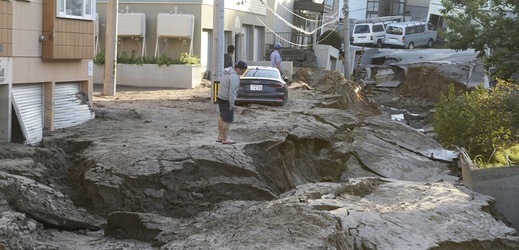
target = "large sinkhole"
x: 184, y: 187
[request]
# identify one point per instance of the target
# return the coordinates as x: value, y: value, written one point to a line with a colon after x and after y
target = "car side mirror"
x: 285, y: 78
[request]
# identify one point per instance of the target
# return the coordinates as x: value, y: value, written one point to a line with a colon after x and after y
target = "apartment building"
x: 46, y: 51
x: 172, y: 27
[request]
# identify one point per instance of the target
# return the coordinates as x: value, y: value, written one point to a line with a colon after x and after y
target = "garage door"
x: 71, y: 106
x: 28, y: 106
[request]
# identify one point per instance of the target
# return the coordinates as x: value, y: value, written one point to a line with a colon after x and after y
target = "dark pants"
x: 226, y: 113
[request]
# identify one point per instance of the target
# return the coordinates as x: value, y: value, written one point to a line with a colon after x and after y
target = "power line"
x: 293, y: 26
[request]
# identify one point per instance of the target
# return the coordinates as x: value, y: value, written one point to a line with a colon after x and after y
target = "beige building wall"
x: 6, y: 28
x: 21, y: 30
x: 6, y: 10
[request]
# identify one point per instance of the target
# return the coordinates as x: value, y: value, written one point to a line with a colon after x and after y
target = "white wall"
x: 357, y: 9
x: 434, y: 8
x: 327, y: 57
x: 421, y: 3
x: 276, y: 24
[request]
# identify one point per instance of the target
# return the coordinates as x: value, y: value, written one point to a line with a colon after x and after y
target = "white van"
x: 369, y: 34
x: 410, y: 34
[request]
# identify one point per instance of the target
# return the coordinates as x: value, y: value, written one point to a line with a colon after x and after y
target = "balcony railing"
x: 323, y: 6
x: 289, y: 39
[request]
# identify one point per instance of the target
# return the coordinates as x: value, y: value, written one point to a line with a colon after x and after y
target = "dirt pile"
x: 347, y: 94
x: 427, y: 83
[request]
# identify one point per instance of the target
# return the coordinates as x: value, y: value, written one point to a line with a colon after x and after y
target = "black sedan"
x: 262, y: 85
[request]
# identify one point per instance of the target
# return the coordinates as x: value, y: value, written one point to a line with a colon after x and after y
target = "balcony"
x: 322, y: 6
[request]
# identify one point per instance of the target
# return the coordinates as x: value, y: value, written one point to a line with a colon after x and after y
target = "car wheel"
x: 379, y: 44
x: 411, y: 45
x: 430, y: 43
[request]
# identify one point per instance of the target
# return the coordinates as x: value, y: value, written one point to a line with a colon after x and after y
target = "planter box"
x: 184, y: 76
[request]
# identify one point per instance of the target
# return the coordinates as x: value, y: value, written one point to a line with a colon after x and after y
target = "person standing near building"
x: 227, y: 58
x: 275, y: 57
x: 227, y: 93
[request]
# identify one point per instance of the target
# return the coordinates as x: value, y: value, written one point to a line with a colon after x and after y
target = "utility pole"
x: 218, y: 46
x: 346, y: 35
x: 111, y: 47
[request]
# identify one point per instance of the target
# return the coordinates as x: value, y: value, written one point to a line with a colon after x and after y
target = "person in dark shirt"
x: 227, y: 58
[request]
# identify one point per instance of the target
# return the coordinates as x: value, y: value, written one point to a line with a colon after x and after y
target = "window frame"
x: 61, y: 10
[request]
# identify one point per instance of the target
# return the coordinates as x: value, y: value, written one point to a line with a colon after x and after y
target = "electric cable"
x: 293, y: 26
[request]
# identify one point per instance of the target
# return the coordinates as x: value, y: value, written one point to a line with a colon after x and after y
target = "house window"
x: 328, y: 3
x: 78, y: 9
x: 373, y: 6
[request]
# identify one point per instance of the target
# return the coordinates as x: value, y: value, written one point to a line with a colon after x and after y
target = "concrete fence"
x: 502, y: 183
x: 182, y: 76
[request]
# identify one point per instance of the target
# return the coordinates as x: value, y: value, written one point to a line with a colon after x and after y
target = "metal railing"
x: 288, y: 39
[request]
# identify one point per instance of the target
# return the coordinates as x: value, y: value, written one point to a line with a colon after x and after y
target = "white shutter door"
x: 28, y: 106
x: 71, y: 106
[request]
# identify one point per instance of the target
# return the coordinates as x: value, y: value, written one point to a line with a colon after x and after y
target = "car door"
x: 379, y: 33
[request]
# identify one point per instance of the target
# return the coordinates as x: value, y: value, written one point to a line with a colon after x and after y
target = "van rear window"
x: 360, y: 29
x: 393, y: 30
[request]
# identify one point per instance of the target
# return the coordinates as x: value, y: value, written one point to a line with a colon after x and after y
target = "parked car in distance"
x: 369, y: 34
x: 410, y: 35
x: 262, y: 85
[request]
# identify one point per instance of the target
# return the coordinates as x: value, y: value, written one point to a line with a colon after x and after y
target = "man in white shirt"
x: 275, y: 57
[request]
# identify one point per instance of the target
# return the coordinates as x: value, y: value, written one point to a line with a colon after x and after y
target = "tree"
x: 491, y: 27
x: 482, y: 121
x: 332, y: 38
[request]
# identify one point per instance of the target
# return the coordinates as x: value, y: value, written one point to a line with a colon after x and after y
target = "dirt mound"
x: 427, y: 83
x: 348, y: 93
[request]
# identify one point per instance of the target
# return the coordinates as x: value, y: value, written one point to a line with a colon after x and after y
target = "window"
x: 410, y: 30
x: 378, y: 28
x: 394, y: 30
x: 78, y: 9
x: 361, y: 29
x: 267, y: 73
x: 328, y: 3
x: 420, y: 29
x: 373, y: 6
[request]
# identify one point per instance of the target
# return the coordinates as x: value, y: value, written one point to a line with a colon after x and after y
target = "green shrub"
x: 123, y: 58
x: 505, y: 157
x: 482, y: 121
x: 332, y: 38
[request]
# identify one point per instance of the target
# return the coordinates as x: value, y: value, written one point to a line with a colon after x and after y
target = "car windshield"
x: 267, y: 73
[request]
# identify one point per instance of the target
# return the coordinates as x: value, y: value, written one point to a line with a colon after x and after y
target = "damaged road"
x: 327, y: 170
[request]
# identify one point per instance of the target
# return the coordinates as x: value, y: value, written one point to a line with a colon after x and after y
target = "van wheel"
x: 430, y: 43
x: 411, y: 45
x: 379, y: 43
